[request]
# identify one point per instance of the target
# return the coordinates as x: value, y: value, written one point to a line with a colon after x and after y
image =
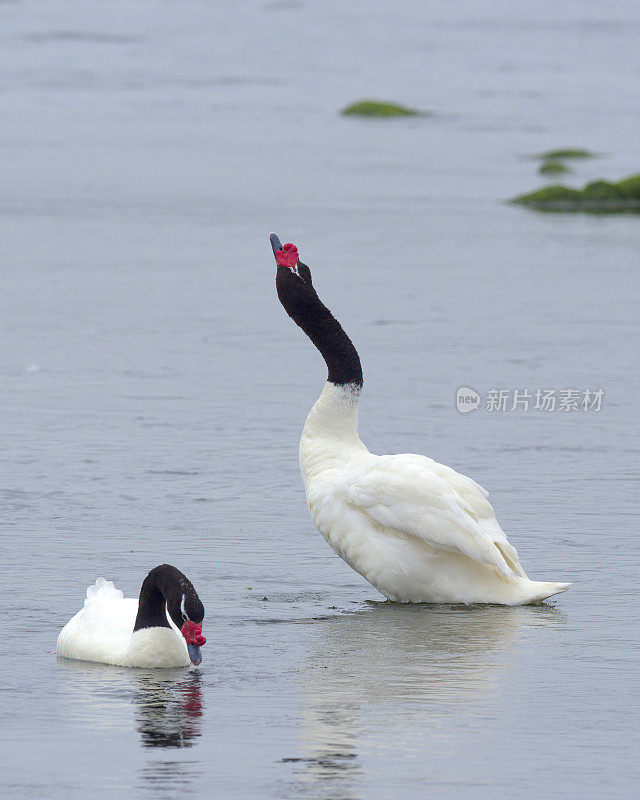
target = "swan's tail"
x: 102, y: 591
x: 540, y: 590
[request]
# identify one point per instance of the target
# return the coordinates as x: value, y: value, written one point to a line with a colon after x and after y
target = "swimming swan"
x: 416, y: 530
x: 112, y: 629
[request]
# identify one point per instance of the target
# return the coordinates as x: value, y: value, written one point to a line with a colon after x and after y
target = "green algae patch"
x: 598, y: 197
x: 630, y: 187
x: 553, y: 168
x: 380, y: 109
x: 551, y: 198
x: 561, y: 155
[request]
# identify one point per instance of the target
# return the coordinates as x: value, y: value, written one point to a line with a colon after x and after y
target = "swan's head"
x: 293, y: 279
x: 190, y: 622
x: 167, y: 596
x: 187, y: 612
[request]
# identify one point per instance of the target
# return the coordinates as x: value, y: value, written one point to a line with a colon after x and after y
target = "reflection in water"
x: 396, y: 678
x: 167, y: 704
x: 168, y: 778
x: 168, y: 712
x: 167, y: 708
x: 168, y: 715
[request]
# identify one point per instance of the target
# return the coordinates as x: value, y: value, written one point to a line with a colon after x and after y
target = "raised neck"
x: 337, y: 349
x: 302, y: 304
x: 335, y: 414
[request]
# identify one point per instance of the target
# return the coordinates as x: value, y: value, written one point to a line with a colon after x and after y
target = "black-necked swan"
x: 416, y: 530
x: 163, y: 628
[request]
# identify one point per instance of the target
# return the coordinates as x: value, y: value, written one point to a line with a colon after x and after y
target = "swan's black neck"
x: 305, y: 308
x: 166, y: 589
x: 337, y: 349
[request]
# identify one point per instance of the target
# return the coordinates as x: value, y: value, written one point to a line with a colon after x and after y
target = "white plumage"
x: 102, y: 631
x: 415, y: 529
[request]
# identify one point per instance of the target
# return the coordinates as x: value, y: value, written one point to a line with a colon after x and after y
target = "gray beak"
x: 276, y: 244
x: 195, y: 653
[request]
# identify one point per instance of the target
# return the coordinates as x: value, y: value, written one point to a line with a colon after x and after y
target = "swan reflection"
x: 168, y: 712
x: 395, y: 677
x: 165, y: 707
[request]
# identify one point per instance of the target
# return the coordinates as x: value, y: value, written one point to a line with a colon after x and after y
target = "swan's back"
x: 101, y: 631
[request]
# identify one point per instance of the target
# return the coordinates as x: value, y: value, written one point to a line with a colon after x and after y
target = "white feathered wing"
x: 415, y: 495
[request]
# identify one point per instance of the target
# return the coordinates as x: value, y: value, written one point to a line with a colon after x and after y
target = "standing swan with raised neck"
x: 416, y: 530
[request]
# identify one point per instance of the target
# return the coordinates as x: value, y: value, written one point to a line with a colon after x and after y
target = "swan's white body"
x: 102, y: 631
x: 416, y: 530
